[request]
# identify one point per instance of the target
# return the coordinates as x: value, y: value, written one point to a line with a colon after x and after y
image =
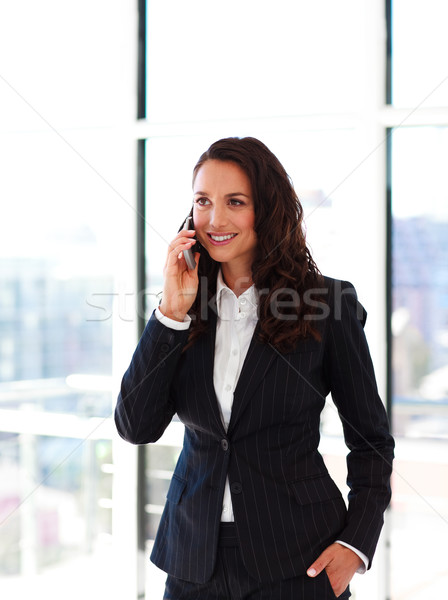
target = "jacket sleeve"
x: 354, y: 391
x: 145, y: 406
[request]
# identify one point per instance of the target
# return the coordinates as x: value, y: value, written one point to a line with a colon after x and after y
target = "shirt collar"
x: 224, y: 295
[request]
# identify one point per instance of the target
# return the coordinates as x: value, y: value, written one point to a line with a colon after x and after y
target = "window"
x: 420, y: 46
x: 309, y: 79
x: 419, y: 295
x: 65, y: 162
x: 286, y: 74
x: 420, y: 349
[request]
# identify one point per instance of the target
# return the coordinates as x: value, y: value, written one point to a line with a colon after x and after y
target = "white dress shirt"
x: 237, y: 319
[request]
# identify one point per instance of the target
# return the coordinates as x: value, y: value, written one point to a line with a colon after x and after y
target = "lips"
x: 222, y: 238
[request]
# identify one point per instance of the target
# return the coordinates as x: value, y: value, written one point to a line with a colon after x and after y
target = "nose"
x: 218, y: 218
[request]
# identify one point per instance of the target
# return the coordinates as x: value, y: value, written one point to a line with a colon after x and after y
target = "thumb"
x: 318, y: 565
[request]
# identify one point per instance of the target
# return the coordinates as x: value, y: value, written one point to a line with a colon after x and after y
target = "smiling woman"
x: 249, y: 194
x: 224, y: 218
x: 249, y: 384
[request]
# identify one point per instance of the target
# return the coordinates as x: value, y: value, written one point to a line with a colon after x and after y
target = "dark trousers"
x: 231, y: 581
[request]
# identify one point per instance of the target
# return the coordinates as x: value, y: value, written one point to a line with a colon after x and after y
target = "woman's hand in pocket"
x: 340, y: 564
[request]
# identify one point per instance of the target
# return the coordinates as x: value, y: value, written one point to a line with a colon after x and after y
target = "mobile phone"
x: 188, y: 254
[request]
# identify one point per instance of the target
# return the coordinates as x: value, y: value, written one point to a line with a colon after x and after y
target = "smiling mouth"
x: 221, y: 238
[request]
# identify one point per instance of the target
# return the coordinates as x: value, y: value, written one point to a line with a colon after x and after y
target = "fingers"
x: 180, y: 283
x: 340, y: 564
x: 179, y: 250
x: 183, y: 236
x: 319, y: 564
x: 181, y: 242
x: 175, y: 252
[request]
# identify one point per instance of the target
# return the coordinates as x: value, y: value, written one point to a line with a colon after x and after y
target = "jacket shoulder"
x: 342, y: 300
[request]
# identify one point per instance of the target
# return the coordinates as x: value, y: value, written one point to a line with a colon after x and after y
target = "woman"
x: 245, y: 348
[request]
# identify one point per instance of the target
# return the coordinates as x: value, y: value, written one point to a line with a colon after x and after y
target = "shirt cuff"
x: 171, y: 323
x: 363, y: 568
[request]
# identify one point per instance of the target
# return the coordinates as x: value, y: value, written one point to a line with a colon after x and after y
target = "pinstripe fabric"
x: 287, y: 508
x: 230, y: 580
x: 241, y: 586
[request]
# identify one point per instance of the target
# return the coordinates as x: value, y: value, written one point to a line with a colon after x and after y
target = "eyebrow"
x: 231, y: 195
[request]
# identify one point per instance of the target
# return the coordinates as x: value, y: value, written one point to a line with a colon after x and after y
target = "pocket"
x: 330, y: 592
x: 176, y: 489
x: 315, y: 489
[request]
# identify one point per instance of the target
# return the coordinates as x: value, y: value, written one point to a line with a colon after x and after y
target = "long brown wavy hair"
x: 283, y: 269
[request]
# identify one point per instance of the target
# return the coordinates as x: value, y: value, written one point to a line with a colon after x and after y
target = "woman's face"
x: 224, y: 215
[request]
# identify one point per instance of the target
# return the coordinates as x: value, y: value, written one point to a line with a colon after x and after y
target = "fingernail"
x: 311, y: 572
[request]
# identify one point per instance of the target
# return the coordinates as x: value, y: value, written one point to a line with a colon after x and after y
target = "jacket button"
x: 236, y: 487
x: 164, y: 347
x: 224, y: 444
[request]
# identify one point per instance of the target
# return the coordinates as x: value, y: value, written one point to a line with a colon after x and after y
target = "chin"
x: 218, y: 256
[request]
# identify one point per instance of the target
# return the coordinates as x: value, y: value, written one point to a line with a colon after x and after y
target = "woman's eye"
x: 202, y: 201
x: 235, y: 202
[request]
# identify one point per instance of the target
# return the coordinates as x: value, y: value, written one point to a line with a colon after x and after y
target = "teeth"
x: 222, y: 238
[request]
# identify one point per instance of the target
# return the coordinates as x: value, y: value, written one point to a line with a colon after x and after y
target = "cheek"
x: 248, y: 224
x: 200, y: 223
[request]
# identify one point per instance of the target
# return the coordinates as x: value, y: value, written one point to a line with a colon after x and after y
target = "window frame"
x: 376, y: 122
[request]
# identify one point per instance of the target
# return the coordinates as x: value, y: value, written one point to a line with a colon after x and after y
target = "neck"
x: 238, y: 280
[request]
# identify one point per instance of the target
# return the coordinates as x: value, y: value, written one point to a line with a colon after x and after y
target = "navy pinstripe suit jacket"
x: 287, y: 508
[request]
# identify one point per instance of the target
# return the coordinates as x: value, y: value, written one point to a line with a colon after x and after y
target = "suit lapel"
x: 203, y: 360
x: 258, y: 360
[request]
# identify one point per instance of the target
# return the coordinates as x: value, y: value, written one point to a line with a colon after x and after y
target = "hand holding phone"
x: 180, y: 284
x: 188, y: 254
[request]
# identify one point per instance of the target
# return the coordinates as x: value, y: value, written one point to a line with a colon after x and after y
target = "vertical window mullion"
x: 388, y: 87
x: 141, y: 60
x: 141, y: 278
